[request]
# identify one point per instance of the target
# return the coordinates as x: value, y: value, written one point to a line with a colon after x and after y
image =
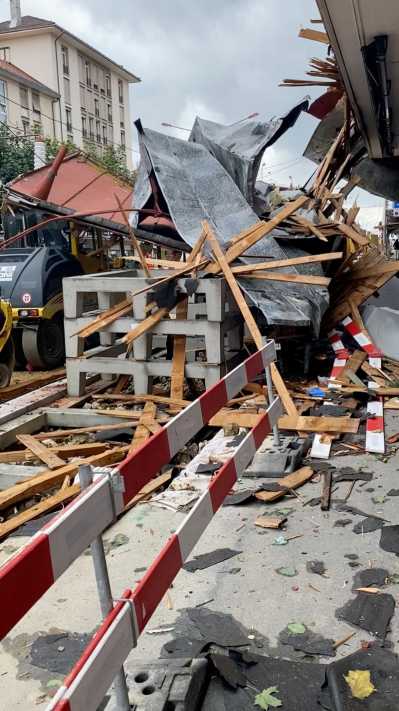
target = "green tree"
x: 16, y: 154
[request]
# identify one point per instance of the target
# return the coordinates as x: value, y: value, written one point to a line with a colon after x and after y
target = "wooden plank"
x: 275, y: 263
x: 179, y: 355
x: 61, y: 434
x: 326, y: 491
x: 264, y: 228
x: 142, y: 433
x: 45, y: 506
x: 353, y: 364
x: 106, y: 318
x: 64, y: 452
x: 158, y: 263
x: 310, y: 226
x: 319, y: 424
x: 294, y: 278
x: 147, y: 324
x: 40, y: 451
x: 50, y: 478
x: 159, y: 399
x: 292, y: 481
x: 133, y: 237
x: 121, y: 383
x: 239, y: 417
x: 282, y: 391
x: 378, y: 270
x: 353, y: 234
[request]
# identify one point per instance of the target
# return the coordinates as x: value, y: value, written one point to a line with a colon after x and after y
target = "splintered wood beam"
x: 17, y: 456
x: 248, y: 317
x: 294, y: 261
x: 48, y: 504
x: 353, y: 234
x: 61, y: 434
x: 106, y: 318
x: 291, y: 278
x: 287, y: 483
x: 264, y: 228
x: 49, y: 479
x: 52, y: 460
x: 133, y: 237
x: 179, y: 355
x: 147, y: 324
x: 305, y: 423
x: 142, y: 432
x: 310, y: 226
x: 315, y: 35
x: 159, y: 399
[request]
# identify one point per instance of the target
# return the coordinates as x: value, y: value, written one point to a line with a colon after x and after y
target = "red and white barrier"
x: 29, y: 573
x: 375, y: 440
x: 362, y: 339
x: 90, y: 679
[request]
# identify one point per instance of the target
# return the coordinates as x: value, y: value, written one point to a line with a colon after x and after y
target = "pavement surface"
x: 246, y: 586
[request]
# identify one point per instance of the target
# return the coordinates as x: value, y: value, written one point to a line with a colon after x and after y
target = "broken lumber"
x: 291, y: 481
x: 40, y: 451
x: 142, y: 433
x: 43, y: 507
x: 294, y: 261
x: 309, y: 423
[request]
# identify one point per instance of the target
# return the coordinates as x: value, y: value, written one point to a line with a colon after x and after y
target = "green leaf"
x: 266, y: 699
x: 296, y: 628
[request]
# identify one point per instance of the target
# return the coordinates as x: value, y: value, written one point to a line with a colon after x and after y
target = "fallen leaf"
x: 266, y: 699
x: 296, y: 628
x: 360, y: 684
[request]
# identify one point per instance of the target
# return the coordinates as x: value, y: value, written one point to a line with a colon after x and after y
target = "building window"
x: 24, y: 98
x: 65, y: 60
x: 68, y: 114
x: 96, y: 107
x: 81, y: 69
x: 3, y: 101
x: 122, y: 116
x: 89, y: 102
x: 5, y: 54
x: 108, y: 84
x: 98, y: 132
x: 95, y: 77
x: 91, y: 128
x: 110, y: 134
x: 25, y: 125
x: 120, y: 90
x: 105, y: 136
x: 87, y: 72
x: 36, y: 106
x: 123, y: 140
x: 109, y: 112
x: 83, y: 97
x: 67, y: 91
x: 84, y: 126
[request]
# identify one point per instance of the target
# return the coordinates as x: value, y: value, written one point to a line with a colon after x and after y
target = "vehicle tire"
x: 7, y: 363
x: 44, y: 346
x: 20, y: 360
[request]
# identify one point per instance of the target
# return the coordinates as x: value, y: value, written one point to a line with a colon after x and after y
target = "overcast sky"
x: 220, y: 59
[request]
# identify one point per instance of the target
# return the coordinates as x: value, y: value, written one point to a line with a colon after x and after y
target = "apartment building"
x: 93, y: 91
x: 26, y: 105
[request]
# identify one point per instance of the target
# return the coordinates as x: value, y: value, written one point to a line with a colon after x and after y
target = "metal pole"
x: 105, y: 594
x: 269, y: 382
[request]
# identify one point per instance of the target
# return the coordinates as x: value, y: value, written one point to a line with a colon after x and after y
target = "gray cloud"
x: 223, y: 59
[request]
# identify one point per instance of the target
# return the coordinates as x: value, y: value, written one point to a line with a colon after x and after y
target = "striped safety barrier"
x: 89, y: 680
x: 375, y: 440
x: 363, y: 340
x: 29, y: 573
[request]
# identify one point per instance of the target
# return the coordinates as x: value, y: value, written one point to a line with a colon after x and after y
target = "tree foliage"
x: 16, y: 154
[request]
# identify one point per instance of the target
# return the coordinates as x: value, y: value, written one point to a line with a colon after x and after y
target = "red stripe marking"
x: 213, y: 400
x: 375, y: 424
x: 32, y: 566
x: 94, y: 642
x: 334, y: 337
x: 142, y: 464
x: 254, y: 366
x: 157, y: 581
x: 63, y: 705
x: 222, y: 483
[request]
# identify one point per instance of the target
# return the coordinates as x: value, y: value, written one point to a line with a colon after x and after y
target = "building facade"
x: 26, y: 105
x: 92, y: 104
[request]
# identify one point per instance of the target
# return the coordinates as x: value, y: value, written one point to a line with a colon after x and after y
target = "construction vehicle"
x: 7, y: 351
x: 31, y: 274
